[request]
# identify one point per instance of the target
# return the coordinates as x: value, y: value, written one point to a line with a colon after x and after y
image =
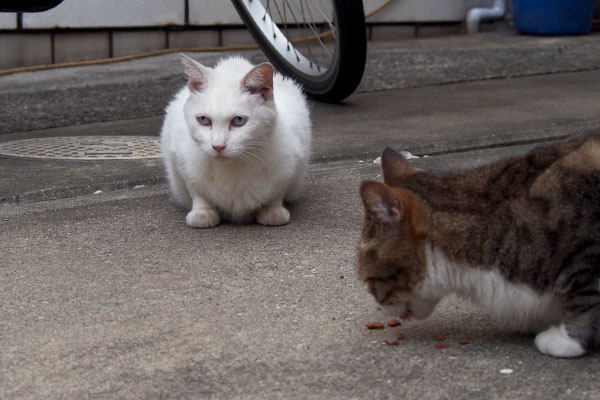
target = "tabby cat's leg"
x: 577, y: 334
x: 203, y: 214
x: 273, y: 213
x: 556, y: 342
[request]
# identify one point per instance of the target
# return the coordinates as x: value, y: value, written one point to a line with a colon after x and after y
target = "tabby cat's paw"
x: 556, y: 342
x: 202, y: 219
x: 273, y: 216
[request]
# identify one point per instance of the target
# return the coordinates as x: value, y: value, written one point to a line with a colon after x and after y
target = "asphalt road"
x: 111, y: 296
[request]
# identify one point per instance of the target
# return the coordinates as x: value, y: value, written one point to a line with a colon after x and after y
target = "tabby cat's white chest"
x: 512, y: 304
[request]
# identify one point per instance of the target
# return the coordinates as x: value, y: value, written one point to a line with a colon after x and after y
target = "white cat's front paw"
x: 202, y: 219
x: 556, y: 342
x: 273, y: 216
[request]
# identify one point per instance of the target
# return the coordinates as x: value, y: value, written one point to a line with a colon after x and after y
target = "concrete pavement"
x: 112, y: 296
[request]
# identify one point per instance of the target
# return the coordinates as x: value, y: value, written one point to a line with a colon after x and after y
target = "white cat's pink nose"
x: 218, y: 149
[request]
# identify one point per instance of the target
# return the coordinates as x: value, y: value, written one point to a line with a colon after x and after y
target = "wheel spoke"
x: 301, y: 19
x: 316, y: 34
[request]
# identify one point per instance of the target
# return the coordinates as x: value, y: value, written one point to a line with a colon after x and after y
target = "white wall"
x: 37, y: 44
x: 211, y: 12
x: 8, y: 21
x: 136, y: 13
x: 208, y: 12
x: 417, y: 10
x: 108, y: 13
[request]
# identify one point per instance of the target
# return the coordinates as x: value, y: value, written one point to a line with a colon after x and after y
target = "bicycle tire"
x: 28, y: 5
x: 343, y: 74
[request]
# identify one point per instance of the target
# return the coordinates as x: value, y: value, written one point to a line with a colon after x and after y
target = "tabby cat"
x: 520, y: 237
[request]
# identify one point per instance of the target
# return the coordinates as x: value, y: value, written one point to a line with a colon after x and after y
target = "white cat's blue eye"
x: 203, y: 120
x: 238, y: 121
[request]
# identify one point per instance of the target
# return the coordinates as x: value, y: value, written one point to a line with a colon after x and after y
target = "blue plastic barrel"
x: 553, y: 17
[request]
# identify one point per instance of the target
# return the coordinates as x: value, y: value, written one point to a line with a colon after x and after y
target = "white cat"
x: 236, y: 143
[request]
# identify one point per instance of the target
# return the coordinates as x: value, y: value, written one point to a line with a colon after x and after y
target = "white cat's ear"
x: 395, y: 168
x: 379, y: 200
x: 259, y: 81
x: 196, y: 72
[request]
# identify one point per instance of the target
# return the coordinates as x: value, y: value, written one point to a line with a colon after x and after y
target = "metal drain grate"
x: 84, y: 148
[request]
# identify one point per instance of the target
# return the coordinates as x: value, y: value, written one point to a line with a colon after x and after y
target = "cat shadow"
x: 456, y: 319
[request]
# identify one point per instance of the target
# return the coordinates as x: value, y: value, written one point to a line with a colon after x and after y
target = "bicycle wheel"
x: 28, y: 5
x: 321, y: 46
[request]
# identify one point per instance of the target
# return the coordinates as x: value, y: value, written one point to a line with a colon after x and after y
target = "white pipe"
x: 475, y: 15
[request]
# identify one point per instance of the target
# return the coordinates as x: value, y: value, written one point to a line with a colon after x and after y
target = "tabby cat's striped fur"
x: 520, y: 237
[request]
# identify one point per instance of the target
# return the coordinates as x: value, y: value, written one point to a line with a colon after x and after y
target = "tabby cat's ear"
x: 196, y: 72
x: 259, y: 81
x: 395, y: 168
x: 380, y: 201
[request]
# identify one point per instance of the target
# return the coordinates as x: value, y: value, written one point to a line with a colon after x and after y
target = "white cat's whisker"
x: 259, y: 146
x: 250, y: 158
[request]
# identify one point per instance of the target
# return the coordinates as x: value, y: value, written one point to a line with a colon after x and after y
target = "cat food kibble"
x: 394, y: 322
x: 441, y: 346
x: 391, y: 342
x: 375, y: 325
x: 463, y: 340
x: 400, y: 336
x: 440, y: 338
